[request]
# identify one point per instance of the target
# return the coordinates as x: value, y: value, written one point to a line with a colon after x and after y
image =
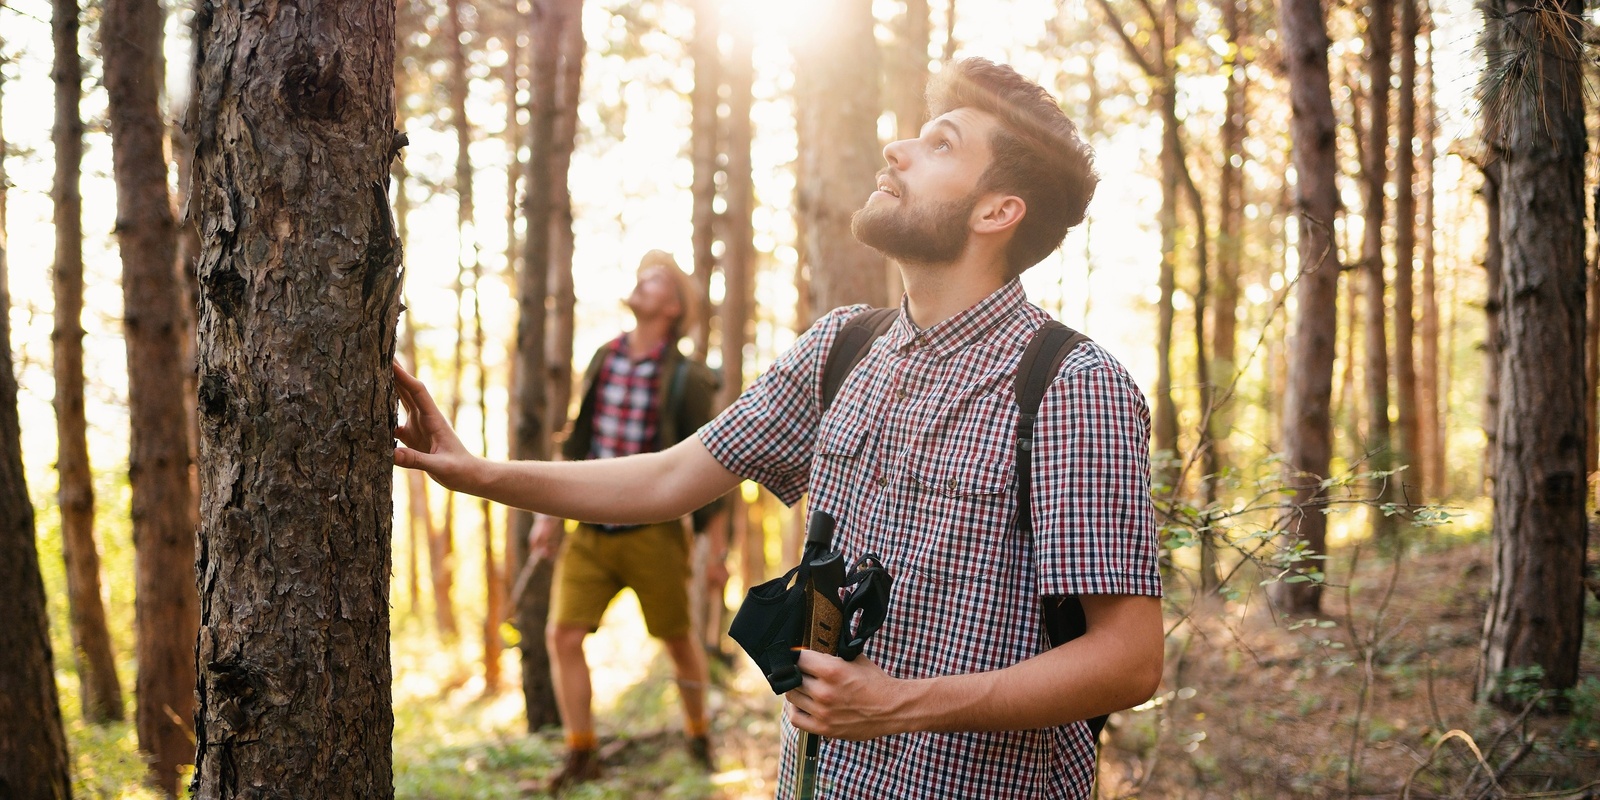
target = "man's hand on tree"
x: 430, y: 444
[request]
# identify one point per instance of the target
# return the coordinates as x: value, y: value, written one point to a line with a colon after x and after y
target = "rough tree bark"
x: 1409, y: 450
x: 1428, y: 382
x: 300, y: 284
x: 33, y: 750
x: 839, y: 153
x: 530, y: 432
x: 704, y: 128
x: 1374, y: 174
x: 91, y: 641
x: 1306, y: 425
x: 1493, y: 340
x: 164, y: 512
x: 739, y: 273
x: 1535, y: 128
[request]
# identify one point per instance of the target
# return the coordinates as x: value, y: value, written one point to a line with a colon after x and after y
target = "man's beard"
x: 936, y: 235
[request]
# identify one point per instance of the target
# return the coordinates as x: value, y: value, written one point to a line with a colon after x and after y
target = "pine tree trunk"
x: 1409, y: 450
x: 1306, y: 425
x: 563, y: 300
x: 101, y: 691
x: 704, y: 128
x: 1493, y: 340
x: 838, y: 153
x: 1164, y: 473
x: 1536, y: 131
x: 1230, y: 231
x: 164, y: 511
x: 530, y: 433
x: 300, y: 292
x: 1428, y: 383
x: 33, y: 749
x: 739, y: 267
x: 1374, y: 174
x: 906, y: 78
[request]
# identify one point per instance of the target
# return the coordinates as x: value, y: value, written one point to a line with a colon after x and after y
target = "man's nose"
x: 895, y: 153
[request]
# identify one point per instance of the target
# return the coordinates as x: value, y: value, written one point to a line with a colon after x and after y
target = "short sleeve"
x: 1094, y: 524
x: 768, y: 434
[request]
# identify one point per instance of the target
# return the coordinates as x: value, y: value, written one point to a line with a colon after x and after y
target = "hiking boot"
x: 700, y: 753
x: 581, y: 766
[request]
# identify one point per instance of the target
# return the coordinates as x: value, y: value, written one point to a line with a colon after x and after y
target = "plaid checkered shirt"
x: 915, y: 459
x: 625, y: 413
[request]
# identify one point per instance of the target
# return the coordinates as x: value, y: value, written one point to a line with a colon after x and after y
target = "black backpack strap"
x: 850, y: 346
x: 1051, y: 344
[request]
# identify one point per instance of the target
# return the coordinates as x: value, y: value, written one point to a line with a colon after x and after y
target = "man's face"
x: 922, y: 210
x: 655, y: 294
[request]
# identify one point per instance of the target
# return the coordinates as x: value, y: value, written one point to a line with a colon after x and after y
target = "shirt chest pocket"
x: 840, y: 455
x: 964, y: 478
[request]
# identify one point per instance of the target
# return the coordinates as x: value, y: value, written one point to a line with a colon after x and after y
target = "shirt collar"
x: 956, y: 333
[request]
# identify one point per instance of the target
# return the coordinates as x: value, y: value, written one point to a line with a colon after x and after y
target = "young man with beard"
x: 958, y: 695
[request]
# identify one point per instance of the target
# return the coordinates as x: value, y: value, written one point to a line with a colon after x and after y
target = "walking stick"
x: 824, y: 625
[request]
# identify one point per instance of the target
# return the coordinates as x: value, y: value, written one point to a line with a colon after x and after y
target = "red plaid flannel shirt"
x: 625, y: 413
x: 915, y: 460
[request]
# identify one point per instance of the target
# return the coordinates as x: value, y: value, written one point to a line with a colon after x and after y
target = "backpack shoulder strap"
x: 1062, y: 617
x: 1050, y: 345
x: 850, y: 346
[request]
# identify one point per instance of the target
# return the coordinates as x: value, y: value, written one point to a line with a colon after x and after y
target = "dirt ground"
x: 1252, y: 707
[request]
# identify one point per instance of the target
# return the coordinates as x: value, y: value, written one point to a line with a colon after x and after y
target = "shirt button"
x: 952, y: 486
x: 901, y: 393
x: 883, y: 480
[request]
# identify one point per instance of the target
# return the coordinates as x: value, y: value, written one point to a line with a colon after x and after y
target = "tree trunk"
x: 1374, y: 174
x: 739, y: 269
x: 1409, y: 451
x: 299, y: 301
x: 1306, y: 426
x: 563, y: 301
x: 1535, y: 128
x: 530, y: 434
x: 100, y: 689
x: 838, y: 153
x: 164, y: 512
x: 1493, y: 340
x: 906, y: 78
x: 1428, y: 385
x: 33, y: 749
x: 1164, y: 473
x: 704, y: 126
x: 1230, y: 231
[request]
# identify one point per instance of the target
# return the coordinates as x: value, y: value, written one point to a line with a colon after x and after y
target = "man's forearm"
x: 645, y: 488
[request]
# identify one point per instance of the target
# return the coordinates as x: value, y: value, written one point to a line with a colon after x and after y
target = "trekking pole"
x: 824, y: 626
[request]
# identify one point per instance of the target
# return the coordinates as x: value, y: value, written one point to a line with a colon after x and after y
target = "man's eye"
x: 943, y: 144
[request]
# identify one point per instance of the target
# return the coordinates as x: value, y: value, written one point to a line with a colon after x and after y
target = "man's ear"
x: 998, y: 213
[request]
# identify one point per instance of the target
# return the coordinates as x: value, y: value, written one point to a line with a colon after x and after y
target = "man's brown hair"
x: 1037, y: 152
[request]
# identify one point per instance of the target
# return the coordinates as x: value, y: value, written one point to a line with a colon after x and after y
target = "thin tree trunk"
x: 300, y: 297
x: 1536, y: 130
x: 100, y: 689
x: 1493, y: 340
x: 907, y: 81
x: 164, y: 510
x: 1164, y: 474
x: 949, y: 32
x: 1230, y: 230
x: 493, y: 576
x: 1428, y: 387
x: 739, y: 268
x: 1409, y: 452
x: 704, y: 122
x: 1306, y: 425
x: 530, y: 434
x: 419, y: 509
x: 33, y: 749
x: 838, y: 153
x: 563, y: 301
x: 1591, y: 358
x: 1374, y: 174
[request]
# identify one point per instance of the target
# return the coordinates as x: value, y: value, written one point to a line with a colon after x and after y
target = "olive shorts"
x: 593, y: 566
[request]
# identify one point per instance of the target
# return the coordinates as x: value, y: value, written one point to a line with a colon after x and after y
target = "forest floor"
x: 1252, y: 707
